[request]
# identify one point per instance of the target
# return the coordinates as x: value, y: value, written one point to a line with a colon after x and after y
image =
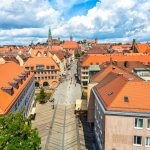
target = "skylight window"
x: 110, y: 93
x: 126, y: 99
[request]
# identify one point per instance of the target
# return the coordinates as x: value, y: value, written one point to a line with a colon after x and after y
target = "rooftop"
x: 112, y: 94
x: 10, y: 71
x: 143, y: 47
x: 70, y: 44
x: 114, y: 69
x: 46, y: 61
x: 93, y: 59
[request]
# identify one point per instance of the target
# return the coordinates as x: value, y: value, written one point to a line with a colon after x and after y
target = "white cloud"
x: 112, y: 20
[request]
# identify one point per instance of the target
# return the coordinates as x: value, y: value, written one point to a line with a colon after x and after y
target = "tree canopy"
x: 42, y: 96
x: 16, y: 133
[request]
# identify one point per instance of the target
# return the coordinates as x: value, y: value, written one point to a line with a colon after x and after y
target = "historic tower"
x: 49, y: 41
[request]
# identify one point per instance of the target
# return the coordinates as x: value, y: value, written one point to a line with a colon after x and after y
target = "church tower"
x: 49, y: 41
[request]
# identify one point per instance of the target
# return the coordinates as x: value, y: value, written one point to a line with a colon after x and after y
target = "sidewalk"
x: 44, y: 114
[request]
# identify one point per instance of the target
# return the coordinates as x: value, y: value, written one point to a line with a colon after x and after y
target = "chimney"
x: 8, y: 90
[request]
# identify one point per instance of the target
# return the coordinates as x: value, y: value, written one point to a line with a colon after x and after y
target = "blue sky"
x: 23, y: 21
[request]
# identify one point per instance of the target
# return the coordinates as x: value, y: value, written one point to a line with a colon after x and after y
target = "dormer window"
x: 19, y: 80
x: 14, y: 84
x: 40, y: 67
x: 22, y: 77
x: 8, y: 90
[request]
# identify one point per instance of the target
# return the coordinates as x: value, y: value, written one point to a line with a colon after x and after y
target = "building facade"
x: 46, y: 71
x: 122, y: 114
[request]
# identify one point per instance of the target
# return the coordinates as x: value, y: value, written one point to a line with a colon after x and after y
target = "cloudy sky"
x: 23, y: 21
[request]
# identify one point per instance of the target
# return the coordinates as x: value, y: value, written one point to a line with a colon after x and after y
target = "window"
x: 40, y: 67
x: 138, y: 123
x: 137, y: 140
x: 52, y: 67
x: 148, y: 123
x: 15, y: 107
x: 147, y: 142
x: 47, y: 67
x: 27, y: 68
x: 32, y: 68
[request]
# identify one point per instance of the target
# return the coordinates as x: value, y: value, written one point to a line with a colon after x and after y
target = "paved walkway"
x: 58, y: 128
x: 44, y: 115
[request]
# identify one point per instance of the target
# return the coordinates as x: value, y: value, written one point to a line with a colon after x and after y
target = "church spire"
x: 49, y: 32
x: 49, y: 41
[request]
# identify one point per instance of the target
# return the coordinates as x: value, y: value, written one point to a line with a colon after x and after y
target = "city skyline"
x: 109, y: 21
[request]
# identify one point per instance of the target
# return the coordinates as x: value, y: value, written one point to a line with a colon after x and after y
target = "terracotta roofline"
x: 119, y: 112
x: 18, y: 94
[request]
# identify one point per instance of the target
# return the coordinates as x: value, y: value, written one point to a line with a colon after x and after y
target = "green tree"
x: 77, y: 56
x: 41, y: 97
x: 16, y: 133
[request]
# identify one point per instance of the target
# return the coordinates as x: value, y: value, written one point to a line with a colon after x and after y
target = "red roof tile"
x: 70, y: 45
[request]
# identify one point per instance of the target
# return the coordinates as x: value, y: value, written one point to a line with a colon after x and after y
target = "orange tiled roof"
x: 112, y: 95
x: 4, y: 49
x: 56, y: 47
x: 143, y: 47
x: 8, y: 72
x: 46, y: 61
x: 112, y: 68
x: 70, y: 45
x: 39, y: 47
x: 92, y: 59
x: 34, y: 52
x: 59, y: 54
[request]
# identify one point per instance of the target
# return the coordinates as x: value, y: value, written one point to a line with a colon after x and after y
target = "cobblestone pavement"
x: 58, y: 127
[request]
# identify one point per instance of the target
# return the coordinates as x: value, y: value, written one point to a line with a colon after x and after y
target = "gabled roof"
x: 59, y: 54
x: 143, y: 47
x: 112, y: 95
x: 98, y: 77
x: 99, y: 49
